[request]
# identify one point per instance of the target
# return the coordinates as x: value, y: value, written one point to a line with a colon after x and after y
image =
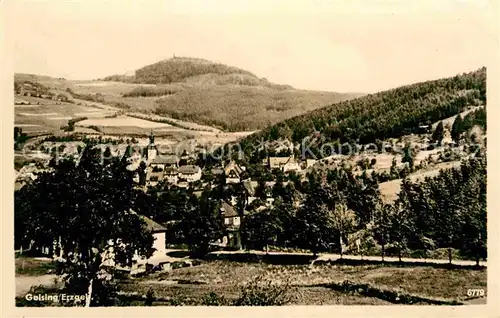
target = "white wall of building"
x: 159, y: 243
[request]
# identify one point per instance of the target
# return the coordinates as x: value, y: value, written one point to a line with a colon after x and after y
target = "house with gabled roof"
x: 284, y: 164
x: 158, y: 232
x: 233, y: 172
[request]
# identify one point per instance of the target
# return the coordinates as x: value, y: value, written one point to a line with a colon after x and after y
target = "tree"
x: 107, y: 153
x: 86, y: 210
x: 456, y: 128
x: 438, y: 134
x: 323, y: 216
x: 343, y: 220
x: 394, y: 172
x: 474, y: 231
x: 409, y: 155
x: 142, y: 173
x: 315, y: 225
x: 382, y: 225
x: 399, y: 227
x: 202, y: 224
x: 261, y: 228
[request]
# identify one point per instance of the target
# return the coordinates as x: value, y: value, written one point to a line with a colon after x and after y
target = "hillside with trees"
x: 219, y: 95
x: 389, y: 114
x: 196, y: 90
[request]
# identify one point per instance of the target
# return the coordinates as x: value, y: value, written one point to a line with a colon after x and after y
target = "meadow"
x: 48, y: 115
x: 309, y: 285
x: 219, y: 282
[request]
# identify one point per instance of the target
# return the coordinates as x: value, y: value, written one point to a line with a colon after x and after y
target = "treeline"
x: 447, y: 211
x: 33, y: 87
x: 71, y: 123
x: 98, y: 98
x: 392, y: 113
x: 150, y: 92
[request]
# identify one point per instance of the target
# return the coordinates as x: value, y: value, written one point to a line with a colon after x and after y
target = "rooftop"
x: 232, y: 166
x: 276, y: 162
x: 217, y: 171
x: 152, y: 225
x: 227, y: 210
x: 168, y: 159
x: 189, y: 169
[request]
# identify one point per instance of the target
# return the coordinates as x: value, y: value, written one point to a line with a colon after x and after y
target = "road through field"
x: 334, y: 257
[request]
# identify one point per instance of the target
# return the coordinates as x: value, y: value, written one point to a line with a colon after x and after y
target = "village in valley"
x: 191, y: 182
x: 247, y: 193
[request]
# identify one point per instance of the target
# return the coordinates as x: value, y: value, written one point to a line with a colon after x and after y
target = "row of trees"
x: 462, y: 125
x: 447, y: 211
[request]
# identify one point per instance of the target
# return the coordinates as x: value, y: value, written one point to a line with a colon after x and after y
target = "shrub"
x: 262, y: 291
x: 212, y: 299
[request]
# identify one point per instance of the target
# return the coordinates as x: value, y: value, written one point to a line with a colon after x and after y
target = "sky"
x: 333, y: 45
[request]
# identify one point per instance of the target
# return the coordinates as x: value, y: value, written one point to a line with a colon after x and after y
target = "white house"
x: 158, y: 235
x: 283, y: 163
x: 232, y: 222
x: 189, y: 173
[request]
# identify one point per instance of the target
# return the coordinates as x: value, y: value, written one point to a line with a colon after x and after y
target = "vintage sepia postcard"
x: 228, y: 156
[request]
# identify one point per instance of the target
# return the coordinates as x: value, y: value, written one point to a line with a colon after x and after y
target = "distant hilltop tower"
x: 152, y: 151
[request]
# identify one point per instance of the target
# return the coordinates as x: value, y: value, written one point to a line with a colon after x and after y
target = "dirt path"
x: 333, y: 257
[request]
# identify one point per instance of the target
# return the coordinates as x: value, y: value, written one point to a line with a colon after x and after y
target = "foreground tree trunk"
x: 383, y: 252
x: 341, y: 246
x: 88, y: 299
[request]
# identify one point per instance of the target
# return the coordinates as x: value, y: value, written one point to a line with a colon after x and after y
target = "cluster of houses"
x: 179, y: 170
x: 167, y: 167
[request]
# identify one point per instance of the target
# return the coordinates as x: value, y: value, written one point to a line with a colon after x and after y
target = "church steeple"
x: 151, y: 138
x: 151, y: 149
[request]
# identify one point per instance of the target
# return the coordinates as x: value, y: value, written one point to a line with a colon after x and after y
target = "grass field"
x: 48, y: 115
x: 389, y: 190
x: 29, y: 266
x: 308, y: 284
x: 123, y: 121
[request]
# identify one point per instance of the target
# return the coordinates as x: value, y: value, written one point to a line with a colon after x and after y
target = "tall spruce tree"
x: 456, y: 128
x: 438, y: 134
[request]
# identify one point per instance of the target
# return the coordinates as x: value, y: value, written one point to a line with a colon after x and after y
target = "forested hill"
x: 192, y: 70
x: 387, y: 114
x: 218, y: 95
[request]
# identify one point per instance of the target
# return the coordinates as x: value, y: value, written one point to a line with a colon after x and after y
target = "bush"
x: 262, y: 291
x: 212, y: 299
